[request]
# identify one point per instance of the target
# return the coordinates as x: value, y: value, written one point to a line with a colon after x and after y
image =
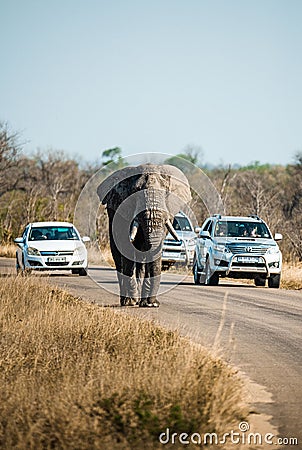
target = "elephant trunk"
x: 171, y: 230
x: 151, y: 220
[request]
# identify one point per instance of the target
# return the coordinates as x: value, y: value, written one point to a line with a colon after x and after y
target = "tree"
x: 10, y: 149
x: 292, y: 207
x: 112, y: 155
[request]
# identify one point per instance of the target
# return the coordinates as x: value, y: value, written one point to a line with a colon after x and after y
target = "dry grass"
x: 78, y: 376
x: 8, y: 250
x: 291, y: 276
x: 99, y: 256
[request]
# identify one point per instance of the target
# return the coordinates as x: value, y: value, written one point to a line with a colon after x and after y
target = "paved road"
x: 257, y: 329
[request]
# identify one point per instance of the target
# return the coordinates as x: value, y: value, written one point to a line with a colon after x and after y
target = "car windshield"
x: 52, y: 233
x: 241, y: 229
x: 181, y: 224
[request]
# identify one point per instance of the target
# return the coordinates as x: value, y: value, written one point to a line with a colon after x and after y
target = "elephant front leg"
x: 128, y: 286
x: 150, y: 284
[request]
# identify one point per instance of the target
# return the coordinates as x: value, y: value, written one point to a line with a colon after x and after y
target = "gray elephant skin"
x: 141, y: 202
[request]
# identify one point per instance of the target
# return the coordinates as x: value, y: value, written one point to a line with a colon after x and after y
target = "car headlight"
x: 273, y: 250
x: 221, y: 248
x: 33, y: 251
x: 191, y: 242
x: 80, y: 252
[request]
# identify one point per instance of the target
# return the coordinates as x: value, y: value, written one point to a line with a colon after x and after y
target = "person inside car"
x: 221, y: 229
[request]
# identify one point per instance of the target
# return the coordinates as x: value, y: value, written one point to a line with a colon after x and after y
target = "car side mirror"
x: 197, y: 230
x: 204, y: 235
x: 19, y: 240
x: 86, y: 239
x: 278, y: 237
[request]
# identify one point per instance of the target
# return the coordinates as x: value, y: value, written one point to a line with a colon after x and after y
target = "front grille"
x: 57, y: 253
x: 250, y: 249
x: 50, y: 264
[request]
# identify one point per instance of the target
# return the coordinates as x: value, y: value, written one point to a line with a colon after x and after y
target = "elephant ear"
x: 179, y: 193
x: 117, y: 187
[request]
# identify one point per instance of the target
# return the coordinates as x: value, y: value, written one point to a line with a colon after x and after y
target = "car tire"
x: 274, y: 281
x: 210, y: 279
x: 83, y: 272
x: 75, y: 271
x: 196, y: 275
x: 260, y: 281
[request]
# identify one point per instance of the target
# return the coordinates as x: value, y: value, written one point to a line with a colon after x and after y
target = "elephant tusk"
x: 134, y: 230
x: 171, y: 230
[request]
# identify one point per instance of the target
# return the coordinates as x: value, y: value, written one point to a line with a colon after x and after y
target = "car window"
x: 52, y: 233
x: 181, y: 224
x: 241, y: 229
x: 208, y: 226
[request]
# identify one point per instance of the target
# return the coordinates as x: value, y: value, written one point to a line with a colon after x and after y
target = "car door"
x: 203, y: 243
x: 21, y: 250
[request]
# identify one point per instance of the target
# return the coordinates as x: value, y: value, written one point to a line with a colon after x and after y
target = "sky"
x: 224, y: 76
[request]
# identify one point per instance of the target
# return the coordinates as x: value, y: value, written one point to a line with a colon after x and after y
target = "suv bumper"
x: 247, y: 266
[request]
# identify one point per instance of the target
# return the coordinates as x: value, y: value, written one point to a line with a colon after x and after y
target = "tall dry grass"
x: 8, y: 250
x: 291, y: 276
x: 78, y: 376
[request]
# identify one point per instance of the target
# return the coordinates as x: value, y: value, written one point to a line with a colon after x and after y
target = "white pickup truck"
x: 237, y: 247
x: 182, y: 251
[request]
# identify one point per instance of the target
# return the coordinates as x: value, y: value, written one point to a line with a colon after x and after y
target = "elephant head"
x: 141, y: 202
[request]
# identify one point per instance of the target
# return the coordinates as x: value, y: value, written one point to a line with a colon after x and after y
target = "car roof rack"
x: 254, y: 216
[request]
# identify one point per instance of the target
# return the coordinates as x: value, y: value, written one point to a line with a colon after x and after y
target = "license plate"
x: 247, y: 259
x: 56, y: 259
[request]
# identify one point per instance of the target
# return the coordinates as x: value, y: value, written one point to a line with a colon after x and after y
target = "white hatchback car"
x: 52, y: 246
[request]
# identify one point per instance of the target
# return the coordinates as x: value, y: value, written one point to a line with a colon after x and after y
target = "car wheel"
x: 83, y: 272
x: 274, y: 281
x: 75, y: 271
x: 260, y: 281
x: 210, y: 279
x: 196, y: 275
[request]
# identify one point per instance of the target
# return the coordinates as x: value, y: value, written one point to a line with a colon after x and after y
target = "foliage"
x: 113, y: 156
x: 46, y: 186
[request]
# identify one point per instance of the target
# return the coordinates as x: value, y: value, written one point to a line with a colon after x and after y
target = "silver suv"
x: 182, y: 251
x: 237, y: 247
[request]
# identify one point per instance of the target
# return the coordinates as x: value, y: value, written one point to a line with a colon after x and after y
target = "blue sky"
x: 154, y: 76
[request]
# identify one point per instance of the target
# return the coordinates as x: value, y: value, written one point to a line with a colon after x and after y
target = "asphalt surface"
x: 256, y: 329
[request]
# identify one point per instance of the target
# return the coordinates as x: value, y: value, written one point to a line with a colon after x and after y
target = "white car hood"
x: 246, y: 241
x: 183, y: 235
x: 66, y: 245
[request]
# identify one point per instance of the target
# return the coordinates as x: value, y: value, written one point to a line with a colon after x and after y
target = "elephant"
x: 141, y: 202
